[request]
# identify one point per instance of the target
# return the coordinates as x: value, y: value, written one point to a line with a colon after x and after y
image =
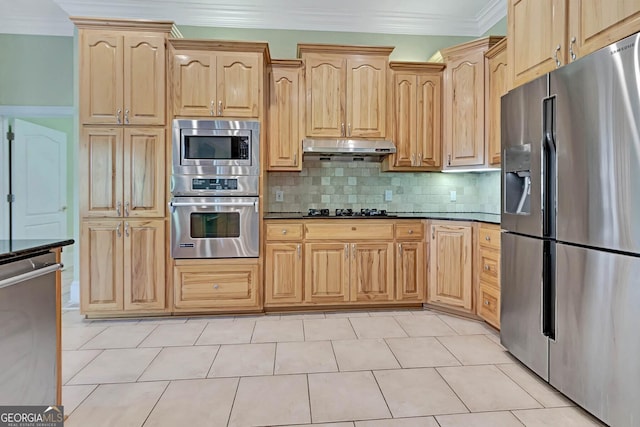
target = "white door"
x: 39, y: 182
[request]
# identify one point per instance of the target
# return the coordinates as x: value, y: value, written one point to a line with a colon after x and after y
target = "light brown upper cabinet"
x: 464, y: 103
x: 498, y: 85
x: 547, y: 34
x: 286, y: 115
x: 216, y: 78
x: 345, y: 90
x: 417, y: 107
x: 122, y: 71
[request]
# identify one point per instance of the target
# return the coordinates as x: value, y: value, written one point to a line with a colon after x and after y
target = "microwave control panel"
x: 214, y: 184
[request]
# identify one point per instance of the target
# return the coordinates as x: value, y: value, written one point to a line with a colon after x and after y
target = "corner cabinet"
x: 346, y: 90
x: 417, y: 105
x: 286, y: 115
x: 497, y: 84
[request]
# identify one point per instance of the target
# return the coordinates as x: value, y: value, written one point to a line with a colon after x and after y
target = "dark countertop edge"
x: 23, y: 248
x: 448, y: 216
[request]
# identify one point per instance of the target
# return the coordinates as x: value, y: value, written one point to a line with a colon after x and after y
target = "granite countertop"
x: 14, y: 249
x: 450, y: 216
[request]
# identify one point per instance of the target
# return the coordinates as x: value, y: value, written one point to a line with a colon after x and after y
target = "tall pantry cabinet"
x: 122, y: 165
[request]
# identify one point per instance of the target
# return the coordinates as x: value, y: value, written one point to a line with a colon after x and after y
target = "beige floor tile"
x: 345, y: 396
x: 194, y: 403
x: 535, y: 386
x: 116, y: 366
x: 298, y: 316
x: 243, y: 360
x: 364, y: 355
x: 305, y: 357
x: 268, y: 401
x: 495, y: 339
x: 377, y: 327
x: 424, y: 326
x: 417, y: 392
x: 345, y: 314
x: 328, y: 329
x: 122, y: 405
x: 475, y: 350
x: 400, y: 422
x: 173, y: 335
x: 122, y: 336
x: 227, y: 332
x: 486, y: 388
x: 75, y: 337
x: 73, y: 395
x: 484, y: 419
x: 280, y: 331
x: 74, y: 318
x: 387, y: 313
x: 179, y: 363
x: 74, y: 360
x: 556, y: 417
x: 421, y: 352
x: 464, y: 326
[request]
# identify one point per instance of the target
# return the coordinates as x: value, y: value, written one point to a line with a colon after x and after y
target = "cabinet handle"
x: 571, y: 52
x: 219, y: 108
x: 433, y: 234
x: 295, y: 159
x: 211, y: 110
x: 118, y: 210
x: 448, y: 159
x: 419, y: 159
x: 555, y: 57
x: 342, y: 129
x: 126, y: 116
x: 298, y: 249
x: 118, y: 119
x: 126, y: 208
x: 400, y: 248
x: 118, y: 232
x: 346, y: 251
x: 126, y: 229
x: 353, y: 250
x: 413, y: 159
x: 349, y: 129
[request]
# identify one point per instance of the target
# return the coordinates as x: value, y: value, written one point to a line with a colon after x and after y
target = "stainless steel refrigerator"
x: 571, y: 230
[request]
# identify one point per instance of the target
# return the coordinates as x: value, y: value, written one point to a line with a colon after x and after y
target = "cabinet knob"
x: 486, y: 267
x: 284, y: 231
x: 216, y: 286
x: 486, y: 302
x: 487, y: 238
x: 410, y: 231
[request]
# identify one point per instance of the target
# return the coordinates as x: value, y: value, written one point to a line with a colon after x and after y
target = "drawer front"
x: 283, y: 232
x: 490, y: 267
x: 489, y: 307
x: 410, y: 231
x: 489, y: 236
x: 226, y: 287
x: 350, y: 230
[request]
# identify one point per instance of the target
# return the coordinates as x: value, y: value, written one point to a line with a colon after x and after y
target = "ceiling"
x: 420, y: 17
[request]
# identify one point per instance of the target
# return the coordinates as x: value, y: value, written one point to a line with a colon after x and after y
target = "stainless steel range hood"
x: 347, y: 150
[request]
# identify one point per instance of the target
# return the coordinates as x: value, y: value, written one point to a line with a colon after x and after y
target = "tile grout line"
x: 275, y: 354
x: 334, y: 355
x: 212, y: 361
x: 149, y: 364
x: 155, y: 404
x: 520, y: 387
x: 449, y: 350
x: 391, y: 350
x: 200, y: 334
x: 83, y: 366
x: 309, y: 398
x: 452, y: 390
x: 233, y: 403
x: 85, y: 398
x: 382, y: 393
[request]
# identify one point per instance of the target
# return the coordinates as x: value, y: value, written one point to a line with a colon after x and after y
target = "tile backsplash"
x: 354, y: 185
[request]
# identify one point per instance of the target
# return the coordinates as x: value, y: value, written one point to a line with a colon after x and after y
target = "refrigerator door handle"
x: 549, y: 290
x: 549, y: 171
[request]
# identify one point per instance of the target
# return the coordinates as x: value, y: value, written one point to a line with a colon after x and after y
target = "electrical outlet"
x: 452, y: 195
x: 388, y: 195
x: 279, y: 196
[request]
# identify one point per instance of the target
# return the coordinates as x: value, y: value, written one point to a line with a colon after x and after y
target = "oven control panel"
x: 214, y: 184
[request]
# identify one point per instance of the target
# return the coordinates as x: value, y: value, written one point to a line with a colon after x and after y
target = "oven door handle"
x: 240, y: 204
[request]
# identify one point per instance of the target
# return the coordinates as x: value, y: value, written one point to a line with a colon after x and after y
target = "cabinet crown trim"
x: 222, y: 45
x: 462, y: 49
x: 291, y: 63
x: 122, y: 24
x: 416, y: 66
x: 497, y: 48
x: 344, y: 49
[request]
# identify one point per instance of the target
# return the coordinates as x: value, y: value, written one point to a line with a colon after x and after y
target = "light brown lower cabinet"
x: 410, y: 266
x: 283, y: 273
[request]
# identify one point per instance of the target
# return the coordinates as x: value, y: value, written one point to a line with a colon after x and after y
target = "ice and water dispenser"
x: 517, y: 179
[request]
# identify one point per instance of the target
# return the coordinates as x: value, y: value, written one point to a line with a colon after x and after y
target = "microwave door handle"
x: 184, y: 204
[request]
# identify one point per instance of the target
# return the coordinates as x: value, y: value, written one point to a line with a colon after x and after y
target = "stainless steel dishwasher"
x: 28, y: 331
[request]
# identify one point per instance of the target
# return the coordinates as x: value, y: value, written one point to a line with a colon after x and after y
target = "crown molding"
x: 490, y: 15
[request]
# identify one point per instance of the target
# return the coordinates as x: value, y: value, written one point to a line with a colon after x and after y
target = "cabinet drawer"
x: 490, y: 266
x: 410, y: 231
x: 350, y: 230
x: 283, y: 232
x: 489, y: 307
x: 489, y: 236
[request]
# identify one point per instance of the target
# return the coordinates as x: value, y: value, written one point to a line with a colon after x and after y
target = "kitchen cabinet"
x: 215, y: 78
x: 488, y: 263
x: 283, y: 279
x: 216, y: 285
x: 450, y: 265
x: 326, y: 270
x: 497, y: 85
x: 123, y: 170
x: 371, y: 271
x: 410, y: 261
x: 122, y: 71
x: 464, y: 103
x: 286, y: 115
x: 417, y: 106
x: 547, y: 34
x: 345, y: 90
x: 122, y: 265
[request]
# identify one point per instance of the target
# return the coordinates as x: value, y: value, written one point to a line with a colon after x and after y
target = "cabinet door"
x: 144, y: 172
x: 326, y: 272
x: 238, y: 79
x: 366, y: 101
x: 144, y: 79
x: 450, y: 266
x: 101, y: 268
x: 101, y: 77
x: 371, y: 272
x: 428, y: 133
x: 283, y: 271
x: 194, y: 84
x: 325, y: 75
x: 405, y: 92
x: 410, y: 266
x: 100, y: 160
x: 285, y: 139
x: 536, y: 29
x: 596, y: 24
x: 498, y: 86
x: 144, y: 272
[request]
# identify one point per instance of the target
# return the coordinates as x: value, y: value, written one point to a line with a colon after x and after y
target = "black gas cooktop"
x: 348, y: 213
